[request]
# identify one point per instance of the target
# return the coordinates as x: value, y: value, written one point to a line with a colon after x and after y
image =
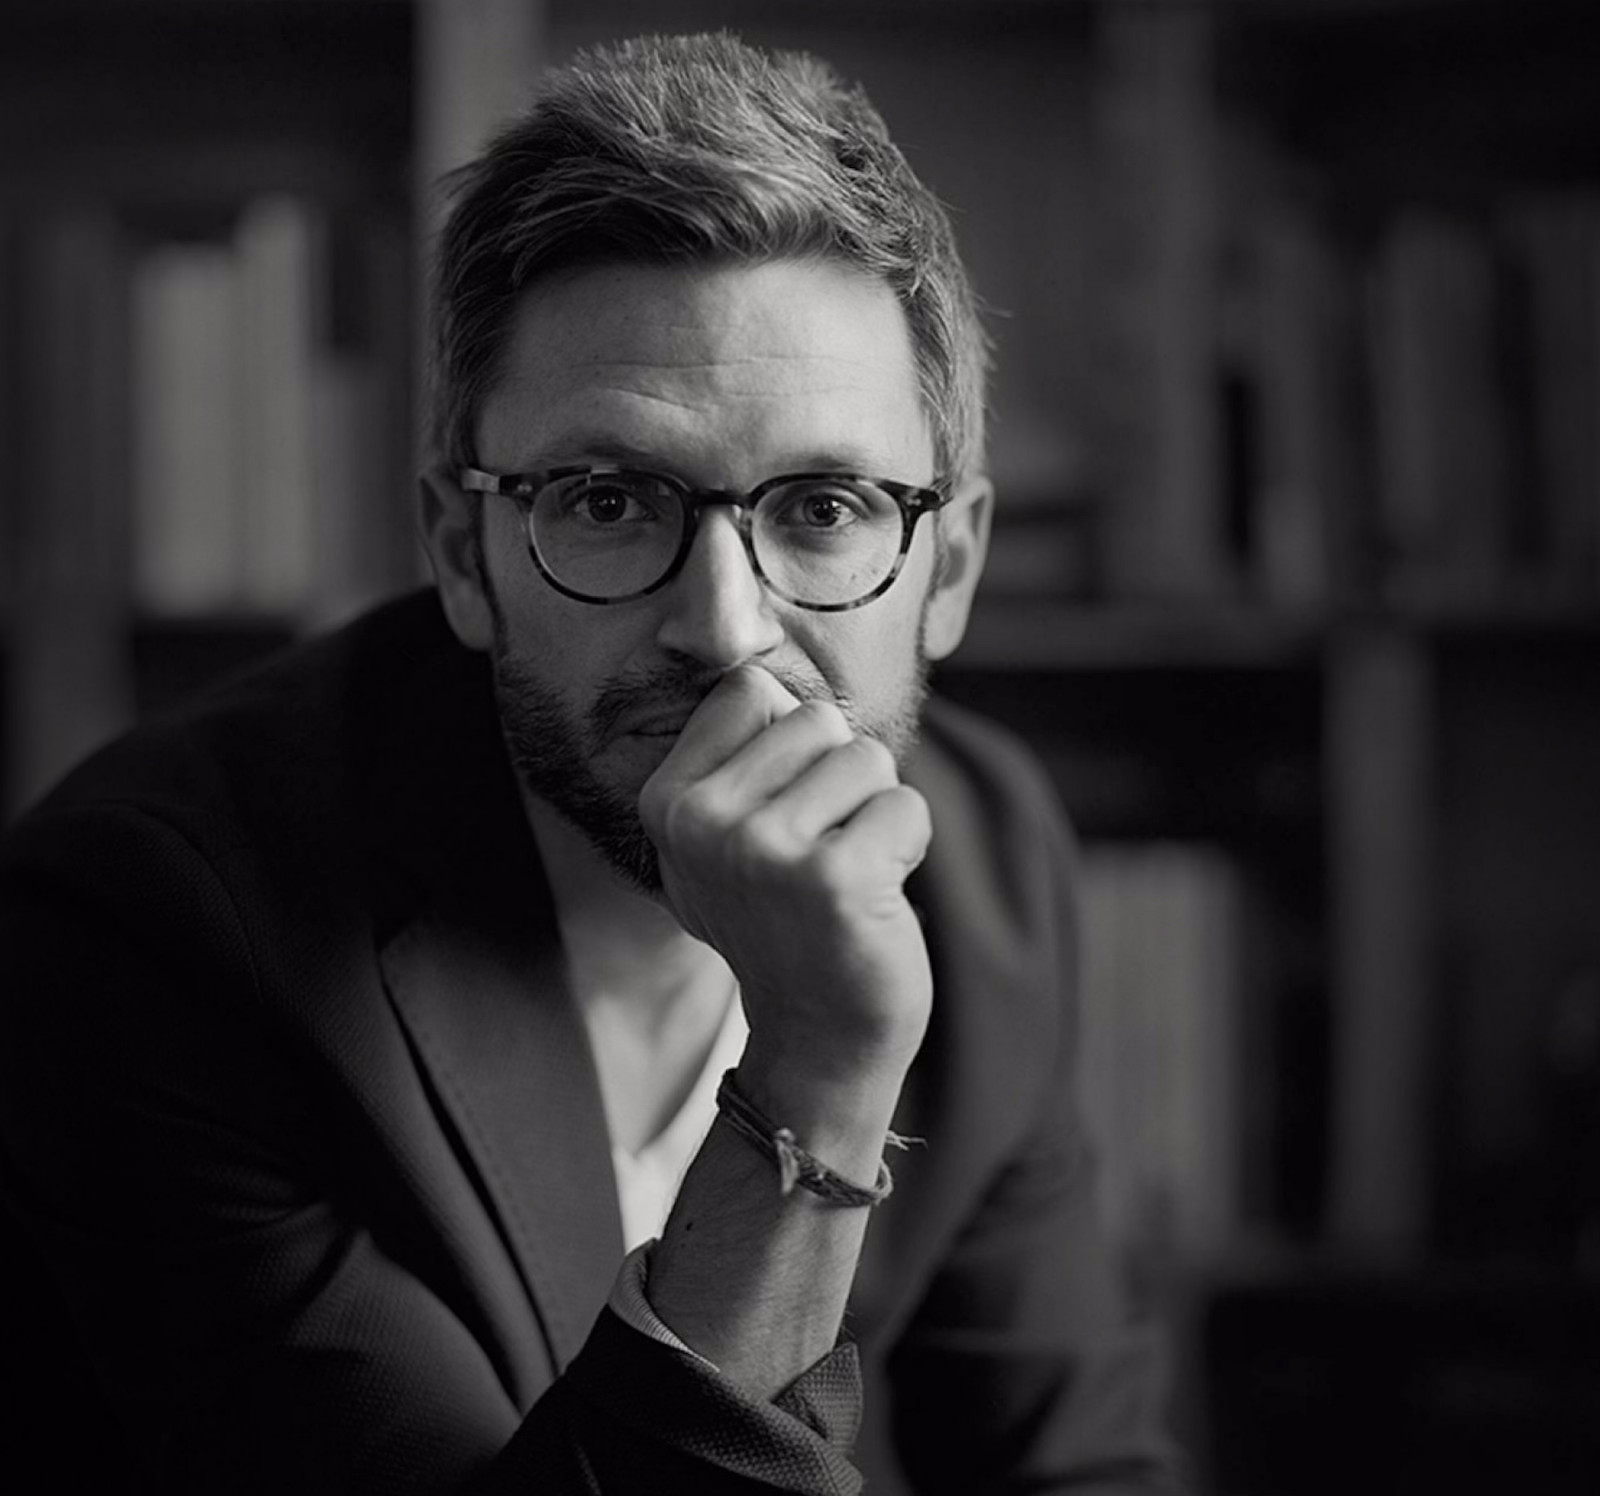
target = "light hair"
x: 697, y: 149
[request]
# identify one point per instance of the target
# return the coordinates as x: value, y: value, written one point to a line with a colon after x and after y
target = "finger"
x: 833, y: 787
x: 883, y: 841
x: 769, y: 763
x: 744, y: 702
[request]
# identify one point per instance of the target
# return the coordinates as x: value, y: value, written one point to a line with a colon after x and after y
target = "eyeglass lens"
x: 817, y: 540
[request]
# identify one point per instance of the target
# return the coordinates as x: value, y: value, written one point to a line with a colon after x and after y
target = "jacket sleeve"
x: 255, y: 1331
x: 1021, y: 1368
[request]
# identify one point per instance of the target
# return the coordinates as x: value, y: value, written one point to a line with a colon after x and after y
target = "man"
x: 360, y: 1020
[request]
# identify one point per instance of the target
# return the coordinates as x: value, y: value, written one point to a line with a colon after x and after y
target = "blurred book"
x: 65, y: 691
x: 1298, y: 507
x: 188, y: 532
x: 1156, y: 226
x: 11, y: 387
x: 277, y: 314
x: 1553, y: 256
x: 348, y: 488
x: 258, y: 442
x: 1443, y: 471
x: 1160, y: 1054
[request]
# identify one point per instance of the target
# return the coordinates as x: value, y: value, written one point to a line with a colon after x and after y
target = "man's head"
x: 695, y: 150
x: 693, y: 259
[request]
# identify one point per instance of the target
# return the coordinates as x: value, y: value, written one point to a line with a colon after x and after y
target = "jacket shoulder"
x: 989, y: 787
x: 264, y: 756
x: 998, y: 887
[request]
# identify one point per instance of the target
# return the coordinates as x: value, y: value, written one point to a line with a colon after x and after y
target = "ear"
x: 964, y: 526
x: 446, y: 522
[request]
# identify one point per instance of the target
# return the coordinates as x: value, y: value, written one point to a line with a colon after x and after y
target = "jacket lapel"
x: 468, y: 945
x: 509, y: 1064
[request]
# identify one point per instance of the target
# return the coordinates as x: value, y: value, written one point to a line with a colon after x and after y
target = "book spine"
x: 1160, y: 1058
x: 277, y: 317
x: 67, y: 689
x: 1157, y: 226
x: 1300, y: 500
x: 1381, y: 754
x: 1554, y: 243
x: 188, y: 504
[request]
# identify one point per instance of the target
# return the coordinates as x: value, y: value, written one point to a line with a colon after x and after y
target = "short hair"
x: 697, y: 149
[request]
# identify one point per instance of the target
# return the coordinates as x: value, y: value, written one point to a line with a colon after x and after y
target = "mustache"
x: 681, y: 688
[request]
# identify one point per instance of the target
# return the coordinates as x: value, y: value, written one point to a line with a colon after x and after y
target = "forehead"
x: 744, y: 370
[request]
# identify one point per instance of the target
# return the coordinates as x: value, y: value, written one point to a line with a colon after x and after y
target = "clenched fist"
x: 785, y: 839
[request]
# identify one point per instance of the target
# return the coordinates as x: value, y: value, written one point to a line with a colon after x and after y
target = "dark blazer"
x: 297, y: 1106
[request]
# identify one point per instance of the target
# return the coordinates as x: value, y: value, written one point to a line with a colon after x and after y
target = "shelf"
x: 1038, y: 634
x: 1512, y: 620
x: 1027, y: 634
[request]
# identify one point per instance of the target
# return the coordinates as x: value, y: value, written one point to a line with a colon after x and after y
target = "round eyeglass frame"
x: 523, y: 488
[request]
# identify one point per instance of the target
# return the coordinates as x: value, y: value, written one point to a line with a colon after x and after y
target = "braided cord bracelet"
x: 795, y: 1165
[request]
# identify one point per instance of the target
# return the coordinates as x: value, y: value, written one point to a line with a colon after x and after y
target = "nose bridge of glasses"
x: 740, y: 505
x: 740, y: 509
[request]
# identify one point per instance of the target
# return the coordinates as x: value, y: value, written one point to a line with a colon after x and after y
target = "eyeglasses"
x: 824, y: 541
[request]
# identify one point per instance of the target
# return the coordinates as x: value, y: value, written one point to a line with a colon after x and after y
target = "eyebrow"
x: 604, y: 447
x: 584, y: 446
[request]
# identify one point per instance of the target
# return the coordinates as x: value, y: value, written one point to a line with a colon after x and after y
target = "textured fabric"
x: 296, y: 1104
x: 630, y: 1302
x: 799, y: 1442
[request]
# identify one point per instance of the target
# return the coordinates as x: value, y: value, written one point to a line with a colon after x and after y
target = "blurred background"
x: 1295, y: 585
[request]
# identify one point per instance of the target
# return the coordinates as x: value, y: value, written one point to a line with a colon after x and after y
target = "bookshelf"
x: 1415, y: 213
x: 1347, y: 451
x: 207, y: 354
x: 1396, y: 406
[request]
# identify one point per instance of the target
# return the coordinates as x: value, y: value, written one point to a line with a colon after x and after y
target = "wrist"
x: 797, y: 1167
x: 842, y: 1119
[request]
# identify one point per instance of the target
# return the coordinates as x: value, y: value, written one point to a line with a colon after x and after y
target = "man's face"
x: 721, y: 377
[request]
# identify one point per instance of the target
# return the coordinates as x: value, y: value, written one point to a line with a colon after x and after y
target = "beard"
x: 556, y: 748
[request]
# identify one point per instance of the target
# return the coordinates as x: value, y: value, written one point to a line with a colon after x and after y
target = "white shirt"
x: 647, y: 1181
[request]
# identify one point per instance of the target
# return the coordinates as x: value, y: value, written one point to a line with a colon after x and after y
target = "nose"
x: 717, y: 611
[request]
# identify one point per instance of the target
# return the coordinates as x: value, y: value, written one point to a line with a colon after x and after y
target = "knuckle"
x: 689, y: 819
x: 759, y: 840
x: 828, y: 869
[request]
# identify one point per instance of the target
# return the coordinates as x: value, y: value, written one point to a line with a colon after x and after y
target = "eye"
x: 607, y: 505
x: 609, y: 501
x: 821, y: 506
x: 824, y: 511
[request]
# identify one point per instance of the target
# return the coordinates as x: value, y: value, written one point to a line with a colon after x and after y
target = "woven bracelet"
x: 795, y: 1165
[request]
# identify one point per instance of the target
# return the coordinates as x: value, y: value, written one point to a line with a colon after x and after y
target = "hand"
x: 784, y: 841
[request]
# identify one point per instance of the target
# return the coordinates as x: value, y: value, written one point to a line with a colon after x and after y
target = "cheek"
x: 869, y: 655
x: 527, y: 610
x: 573, y: 648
